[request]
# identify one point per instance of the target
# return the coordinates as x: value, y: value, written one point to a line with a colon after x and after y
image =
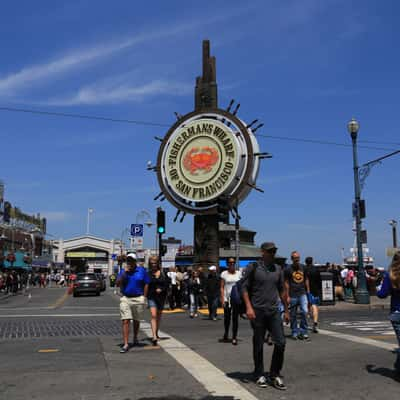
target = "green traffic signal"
x: 160, y: 221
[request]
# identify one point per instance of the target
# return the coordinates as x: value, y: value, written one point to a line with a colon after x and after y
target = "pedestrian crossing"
x: 368, y: 327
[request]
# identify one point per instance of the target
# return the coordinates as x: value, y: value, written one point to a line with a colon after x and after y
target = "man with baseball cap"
x: 133, y: 283
x: 263, y: 286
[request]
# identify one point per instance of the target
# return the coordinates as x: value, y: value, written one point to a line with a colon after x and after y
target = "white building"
x: 96, y: 253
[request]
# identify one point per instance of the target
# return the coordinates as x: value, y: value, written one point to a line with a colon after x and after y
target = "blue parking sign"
x: 136, y: 230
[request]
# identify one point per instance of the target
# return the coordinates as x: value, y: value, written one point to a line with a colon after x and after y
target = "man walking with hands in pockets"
x: 263, y: 285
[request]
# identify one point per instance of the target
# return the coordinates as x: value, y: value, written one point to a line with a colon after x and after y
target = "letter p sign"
x: 136, y: 230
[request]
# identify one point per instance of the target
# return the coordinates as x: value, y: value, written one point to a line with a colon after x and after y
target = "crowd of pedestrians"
x: 15, y: 281
x: 271, y: 294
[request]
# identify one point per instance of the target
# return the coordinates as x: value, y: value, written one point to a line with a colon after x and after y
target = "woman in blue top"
x: 391, y: 287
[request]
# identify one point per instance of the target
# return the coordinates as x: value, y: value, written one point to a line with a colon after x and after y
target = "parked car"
x: 86, y: 283
x: 102, y: 280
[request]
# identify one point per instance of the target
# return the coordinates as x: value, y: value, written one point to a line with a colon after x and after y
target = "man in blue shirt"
x: 133, y: 283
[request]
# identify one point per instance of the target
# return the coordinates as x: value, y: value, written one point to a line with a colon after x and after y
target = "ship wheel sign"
x: 205, y: 155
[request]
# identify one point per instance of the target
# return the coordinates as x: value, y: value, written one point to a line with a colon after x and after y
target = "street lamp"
x: 362, y: 295
x: 393, y: 224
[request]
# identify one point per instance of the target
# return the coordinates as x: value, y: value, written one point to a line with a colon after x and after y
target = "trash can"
x: 327, y: 289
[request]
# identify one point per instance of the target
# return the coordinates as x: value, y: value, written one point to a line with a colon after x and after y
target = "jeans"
x: 194, y: 303
x: 273, y: 323
x: 231, y: 312
x: 395, y: 320
x: 303, y: 303
x: 212, y: 306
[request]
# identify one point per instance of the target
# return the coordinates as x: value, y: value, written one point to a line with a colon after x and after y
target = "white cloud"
x: 37, y: 75
x: 55, y: 216
x: 107, y: 94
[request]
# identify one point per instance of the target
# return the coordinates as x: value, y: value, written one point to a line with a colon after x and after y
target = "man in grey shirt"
x: 262, y: 289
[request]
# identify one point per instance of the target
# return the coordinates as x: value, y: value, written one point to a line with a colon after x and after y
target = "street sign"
x: 137, y: 243
x: 136, y: 230
x: 363, y: 237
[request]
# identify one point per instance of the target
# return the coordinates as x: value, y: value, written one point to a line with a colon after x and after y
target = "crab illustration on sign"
x: 200, y: 159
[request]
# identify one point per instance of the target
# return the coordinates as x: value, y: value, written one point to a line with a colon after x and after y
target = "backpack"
x: 236, y: 297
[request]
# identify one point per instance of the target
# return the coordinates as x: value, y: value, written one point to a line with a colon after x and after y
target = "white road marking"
x: 213, y: 379
x: 374, y: 327
x: 57, y: 315
x: 359, y: 339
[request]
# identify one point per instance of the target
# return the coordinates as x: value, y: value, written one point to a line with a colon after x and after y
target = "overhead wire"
x: 164, y: 125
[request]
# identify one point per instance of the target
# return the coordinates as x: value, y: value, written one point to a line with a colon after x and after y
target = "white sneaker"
x: 262, y: 382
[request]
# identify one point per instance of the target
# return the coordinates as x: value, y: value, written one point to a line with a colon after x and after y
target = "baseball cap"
x: 131, y: 255
x: 268, y: 246
x: 212, y: 268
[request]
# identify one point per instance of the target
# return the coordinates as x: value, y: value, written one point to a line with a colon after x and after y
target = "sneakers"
x: 315, y: 328
x: 277, y: 383
x: 262, y: 382
x: 303, y: 337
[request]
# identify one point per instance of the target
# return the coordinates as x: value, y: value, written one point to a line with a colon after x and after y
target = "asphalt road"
x: 54, y: 346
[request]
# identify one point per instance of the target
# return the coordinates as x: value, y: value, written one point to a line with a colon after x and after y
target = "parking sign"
x: 136, y: 230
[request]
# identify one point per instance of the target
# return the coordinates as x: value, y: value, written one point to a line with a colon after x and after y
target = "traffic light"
x: 164, y: 250
x: 160, y: 221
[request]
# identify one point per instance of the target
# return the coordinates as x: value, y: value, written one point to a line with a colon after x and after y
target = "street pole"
x: 362, y: 295
x: 237, y: 238
x: 89, y: 211
x: 393, y: 223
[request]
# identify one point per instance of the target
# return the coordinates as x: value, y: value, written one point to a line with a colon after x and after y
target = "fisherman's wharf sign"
x: 201, y: 160
x: 206, y: 155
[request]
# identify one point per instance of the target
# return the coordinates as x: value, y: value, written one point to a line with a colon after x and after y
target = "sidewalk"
x: 375, y: 304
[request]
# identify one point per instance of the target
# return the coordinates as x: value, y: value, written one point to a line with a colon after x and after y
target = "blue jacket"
x: 387, y: 290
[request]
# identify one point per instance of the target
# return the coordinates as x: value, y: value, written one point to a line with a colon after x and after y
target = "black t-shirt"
x: 297, y: 280
x: 212, y: 285
x: 162, y: 283
x: 314, y: 276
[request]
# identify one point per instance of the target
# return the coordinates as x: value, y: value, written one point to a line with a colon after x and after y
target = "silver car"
x: 87, y: 283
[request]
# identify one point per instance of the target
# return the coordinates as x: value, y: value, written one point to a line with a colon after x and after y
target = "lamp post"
x: 362, y: 295
x: 146, y: 216
x: 393, y: 224
x: 89, y: 212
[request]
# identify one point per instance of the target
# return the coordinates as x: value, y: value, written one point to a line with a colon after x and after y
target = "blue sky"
x: 302, y: 67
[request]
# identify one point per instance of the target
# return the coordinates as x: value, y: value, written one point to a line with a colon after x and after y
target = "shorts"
x: 156, y: 304
x: 314, y: 300
x: 131, y: 308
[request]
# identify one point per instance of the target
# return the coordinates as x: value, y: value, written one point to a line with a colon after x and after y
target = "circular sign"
x: 205, y: 155
x: 201, y: 160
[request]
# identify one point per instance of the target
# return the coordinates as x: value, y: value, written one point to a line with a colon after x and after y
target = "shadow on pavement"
x: 244, y: 377
x: 174, y: 397
x: 386, y: 372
